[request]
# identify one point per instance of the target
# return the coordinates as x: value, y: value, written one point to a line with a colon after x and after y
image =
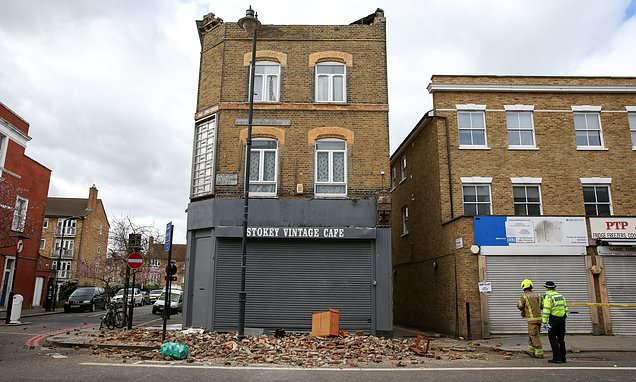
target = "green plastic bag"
x: 174, y: 350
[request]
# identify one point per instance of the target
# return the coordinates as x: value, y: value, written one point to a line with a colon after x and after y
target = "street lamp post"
x: 250, y: 24
x: 59, y: 258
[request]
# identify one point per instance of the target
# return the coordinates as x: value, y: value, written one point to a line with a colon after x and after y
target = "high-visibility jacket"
x: 554, y: 304
x: 530, y: 305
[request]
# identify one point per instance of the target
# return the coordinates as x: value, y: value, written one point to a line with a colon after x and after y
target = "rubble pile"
x: 301, y: 350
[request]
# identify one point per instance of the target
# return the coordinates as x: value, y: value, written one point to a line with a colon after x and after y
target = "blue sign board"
x: 168, y: 244
x: 490, y: 231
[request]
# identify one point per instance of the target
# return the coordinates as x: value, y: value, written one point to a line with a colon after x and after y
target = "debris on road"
x: 301, y: 350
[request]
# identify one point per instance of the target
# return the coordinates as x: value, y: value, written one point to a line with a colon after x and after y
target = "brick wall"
x: 223, y: 88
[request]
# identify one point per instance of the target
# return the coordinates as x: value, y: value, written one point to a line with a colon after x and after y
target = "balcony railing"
x: 66, y: 253
x: 63, y: 274
x: 69, y: 231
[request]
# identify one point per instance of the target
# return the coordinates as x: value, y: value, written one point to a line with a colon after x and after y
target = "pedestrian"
x: 530, y: 305
x: 555, y: 312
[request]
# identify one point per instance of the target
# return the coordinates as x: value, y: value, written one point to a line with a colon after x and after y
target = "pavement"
x: 32, y: 312
x: 575, y: 343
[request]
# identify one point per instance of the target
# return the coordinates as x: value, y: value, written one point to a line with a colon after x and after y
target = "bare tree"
x: 111, y: 269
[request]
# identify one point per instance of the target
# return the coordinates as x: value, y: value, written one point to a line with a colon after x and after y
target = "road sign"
x: 135, y: 260
x: 19, y: 246
x: 168, y: 244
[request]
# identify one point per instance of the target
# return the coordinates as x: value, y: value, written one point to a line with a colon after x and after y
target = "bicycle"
x: 114, y: 318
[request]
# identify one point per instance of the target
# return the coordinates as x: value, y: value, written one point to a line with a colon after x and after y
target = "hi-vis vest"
x: 530, y: 306
x: 553, y: 305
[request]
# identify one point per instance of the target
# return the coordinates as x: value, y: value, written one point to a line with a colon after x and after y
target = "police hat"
x: 549, y: 284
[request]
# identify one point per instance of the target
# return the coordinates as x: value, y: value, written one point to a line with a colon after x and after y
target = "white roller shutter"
x: 505, y: 274
x: 620, y: 274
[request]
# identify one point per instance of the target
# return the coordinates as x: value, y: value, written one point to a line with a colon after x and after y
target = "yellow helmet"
x: 525, y: 284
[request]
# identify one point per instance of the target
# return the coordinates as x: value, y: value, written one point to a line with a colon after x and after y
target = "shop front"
x: 617, y: 259
x: 539, y: 248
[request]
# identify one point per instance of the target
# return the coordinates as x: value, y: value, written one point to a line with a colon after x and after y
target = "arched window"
x: 331, y: 167
x: 263, y: 167
x: 267, y: 81
x: 331, y: 82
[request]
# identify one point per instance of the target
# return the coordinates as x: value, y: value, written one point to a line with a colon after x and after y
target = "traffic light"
x: 171, y: 269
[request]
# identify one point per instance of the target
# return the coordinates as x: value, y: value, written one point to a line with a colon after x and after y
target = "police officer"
x: 530, y: 305
x: 555, y: 311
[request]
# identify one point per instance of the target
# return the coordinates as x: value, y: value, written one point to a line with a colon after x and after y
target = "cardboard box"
x: 325, y: 324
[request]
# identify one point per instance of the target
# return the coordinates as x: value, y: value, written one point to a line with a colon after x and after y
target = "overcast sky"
x: 109, y: 87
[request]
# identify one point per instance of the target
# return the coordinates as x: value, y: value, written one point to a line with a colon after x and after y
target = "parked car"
x: 146, y: 297
x: 154, y: 295
x: 136, y: 295
x: 86, y: 298
x: 176, y: 303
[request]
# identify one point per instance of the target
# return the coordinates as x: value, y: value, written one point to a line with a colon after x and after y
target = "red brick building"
x: 24, y: 185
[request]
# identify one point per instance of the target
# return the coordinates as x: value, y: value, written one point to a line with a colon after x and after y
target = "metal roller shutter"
x: 506, y: 273
x: 620, y: 273
x: 287, y: 280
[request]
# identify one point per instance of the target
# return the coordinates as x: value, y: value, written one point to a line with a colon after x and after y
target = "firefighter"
x: 530, y: 305
x: 555, y: 312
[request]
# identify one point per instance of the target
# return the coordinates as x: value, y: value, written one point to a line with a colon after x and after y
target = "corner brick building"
x: 24, y: 184
x: 83, y: 241
x: 512, y: 177
x: 318, y: 212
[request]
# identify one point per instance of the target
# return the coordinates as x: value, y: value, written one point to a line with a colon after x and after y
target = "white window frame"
x: 20, y: 214
x: 155, y: 262
x: 403, y: 168
x: 393, y: 176
x: 518, y: 109
x: 261, y: 155
x: 42, y: 244
x: 477, y: 182
x: 405, y: 220
x: 4, y: 142
x: 331, y: 80
x: 587, y: 110
x: 69, y: 230
x: 330, y: 182
x: 65, y: 269
x: 598, y: 182
x: 45, y: 224
x: 526, y: 203
x: 631, y: 119
x: 472, y: 109
x: 203, y: 158
x: 68, y: 248
x: 265, y: 84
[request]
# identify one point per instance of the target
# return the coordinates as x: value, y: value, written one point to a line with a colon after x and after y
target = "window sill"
x: 522, y: 148
x: 319, y: 196
x: 403, y: 180
x: 263, y: 196
x: 266, y: 102
x: 474, y: 147
x: 404, y: 234
x: 332, y: 102
x: 587, y: 148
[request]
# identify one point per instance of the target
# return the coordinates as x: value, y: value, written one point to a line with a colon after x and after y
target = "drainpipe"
x: 448, y: 159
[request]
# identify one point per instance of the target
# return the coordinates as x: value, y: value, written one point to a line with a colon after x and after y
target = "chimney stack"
x: 92, y: 198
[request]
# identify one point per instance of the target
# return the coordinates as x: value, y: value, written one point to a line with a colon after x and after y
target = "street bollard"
x: 16, y: 309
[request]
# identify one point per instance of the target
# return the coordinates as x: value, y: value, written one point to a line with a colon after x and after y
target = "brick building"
x: 24, y: 184
x: 319, y: 165
x: 75, y: 235
x: 510, y: 178
x: 156, y: 260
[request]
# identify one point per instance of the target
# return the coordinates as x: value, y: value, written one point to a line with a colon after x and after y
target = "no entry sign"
x: 135, y: 260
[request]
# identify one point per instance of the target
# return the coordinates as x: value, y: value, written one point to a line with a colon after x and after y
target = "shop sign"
x: 613, y: 228
x: 297, y: 232
x: 485, y: 287
x: 504, y: 231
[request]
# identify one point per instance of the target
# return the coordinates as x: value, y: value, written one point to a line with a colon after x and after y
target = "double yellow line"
x: 602, y: 304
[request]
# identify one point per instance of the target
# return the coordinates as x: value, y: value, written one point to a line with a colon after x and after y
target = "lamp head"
x: 250, y: 22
